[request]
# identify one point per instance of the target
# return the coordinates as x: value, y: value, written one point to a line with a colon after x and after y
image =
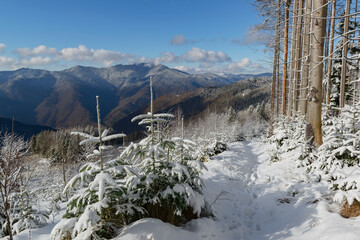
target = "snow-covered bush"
x: 214, y: 130
x: 253, y: 121
x: 288, y: 134
x: 100, y: 203
x: 167, y: 182
x: 156, y: 177
x: 338, y: 159
x: 211, y: 133
x: 12, y: 150
x: 25, y: 216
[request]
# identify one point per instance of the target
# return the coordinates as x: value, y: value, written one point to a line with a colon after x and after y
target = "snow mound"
x: 151, y: 229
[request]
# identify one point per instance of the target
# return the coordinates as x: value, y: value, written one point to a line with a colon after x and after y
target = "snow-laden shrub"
x: 12, y: 150
x: 338, y: 159
x: 288, y: 134
x: 166, y: 182
x: 253, y: 121
x: 25, y: 216
x: 156, y: 177
x: 100, y: 203
x: 215, y: 148
x: 214, y: 130
x: 211, y: 132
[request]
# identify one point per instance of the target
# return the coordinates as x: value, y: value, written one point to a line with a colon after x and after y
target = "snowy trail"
x: 251, y: 199
x: 254, y: 199
x: 228, y: 185
x: 228, y: 190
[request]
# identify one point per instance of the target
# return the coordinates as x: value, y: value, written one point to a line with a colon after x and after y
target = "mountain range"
x: 67, y: 98
x: 196, y: 104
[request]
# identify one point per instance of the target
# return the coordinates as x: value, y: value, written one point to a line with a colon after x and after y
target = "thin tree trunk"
x: 278, y: 33
x: 331, y: 49
x: 293, y: 57
x: 286, y: 45
x: 306, y: 56
x: 152, y: 122
x: 99, y: 130
x: 276, y: 59
x: 64, y: 176
x: 313, y: 128
x: 298, y: 56
x: 344, y: 54
x: 356, y: 84
x: 278, y: 86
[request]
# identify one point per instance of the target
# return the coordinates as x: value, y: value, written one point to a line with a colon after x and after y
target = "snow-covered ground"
x: 250, y: 198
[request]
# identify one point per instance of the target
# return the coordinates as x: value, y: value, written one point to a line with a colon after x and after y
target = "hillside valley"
x: 61, y: 99
x: 197, y: 104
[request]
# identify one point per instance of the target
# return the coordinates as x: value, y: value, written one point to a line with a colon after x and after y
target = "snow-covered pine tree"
x: 338, y: 159
x: 100, y: 204
x: 167, y: 182
x: 25, y: 216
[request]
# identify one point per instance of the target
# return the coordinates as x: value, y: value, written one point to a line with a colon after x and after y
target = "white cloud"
x: 80, y: 54
x: 166, y: 57
x: 37, y: 61
x: 7, y: 62
x: 110, y: 57
x: 2, y: 47
x: 187, y: 69
x: 105, y: 57
x: 242, y: 66
x: 201, y: 55
x: 195, y: 60
x: 192, y: 56
x: 39, y: 50
x: 235, y: 66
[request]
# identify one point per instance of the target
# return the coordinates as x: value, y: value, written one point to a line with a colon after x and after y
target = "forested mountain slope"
x: 67, y: 98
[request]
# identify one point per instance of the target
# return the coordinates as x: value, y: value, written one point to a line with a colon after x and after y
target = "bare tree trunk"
x: 63, y: 169
x: 331, y: 49
x: 298, y: 56
x: 99, y: 131
x: 356, y: 84
x: 344, y: 54
x: 313, y: 128
x: 5, y: 199
x: 278, y: 86
x: 293, y: 57
x: 275, y: 68
x: 278, y: 33
x: 306, y: 56
x: 286, y: 45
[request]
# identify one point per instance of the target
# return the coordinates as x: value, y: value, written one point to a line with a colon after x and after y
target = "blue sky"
x: 190, y: 35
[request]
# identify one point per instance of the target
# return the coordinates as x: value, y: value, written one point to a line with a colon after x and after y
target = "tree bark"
x: 316, y: 75
x: 275, y: 66
x: 306, y: 56
x: 331, y: 49
x: 286, y: 43
x: 293, y: 57
x: 298, y: 56
x: 344, y: 54
x: 278, y: 33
